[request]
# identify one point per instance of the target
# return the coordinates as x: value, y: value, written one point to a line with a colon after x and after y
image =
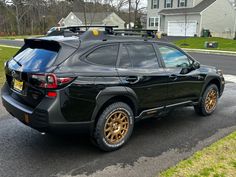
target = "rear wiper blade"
x: 17, y: 62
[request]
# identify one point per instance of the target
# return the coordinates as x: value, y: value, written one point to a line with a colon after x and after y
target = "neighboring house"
x: 101, y: 18
x: 190, y: 17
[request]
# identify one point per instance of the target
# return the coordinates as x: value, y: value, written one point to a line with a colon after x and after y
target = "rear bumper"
x: 45, y: 117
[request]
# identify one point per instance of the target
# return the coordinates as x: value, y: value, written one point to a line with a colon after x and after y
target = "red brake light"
x: 50, y: 81
x: 52, y: 94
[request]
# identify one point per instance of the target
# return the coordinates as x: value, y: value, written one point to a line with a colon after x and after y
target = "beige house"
x: 190, y: 17
x: 101, y: 18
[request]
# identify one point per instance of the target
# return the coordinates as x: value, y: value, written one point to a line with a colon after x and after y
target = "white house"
x: 101, y: 18
x: 190, y: 17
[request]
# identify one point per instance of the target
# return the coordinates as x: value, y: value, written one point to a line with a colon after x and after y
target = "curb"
x: 18, y: 39
x: 10, y: 46
x: 215, y: 52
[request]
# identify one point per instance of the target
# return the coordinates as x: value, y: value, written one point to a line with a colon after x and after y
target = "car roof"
x: 89, y: 40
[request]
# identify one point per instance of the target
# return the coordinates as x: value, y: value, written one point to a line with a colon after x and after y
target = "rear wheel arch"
x: 115, y: 94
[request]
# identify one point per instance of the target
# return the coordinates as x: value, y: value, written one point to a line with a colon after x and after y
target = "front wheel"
x: 114, y: 126
x: 208, y: 102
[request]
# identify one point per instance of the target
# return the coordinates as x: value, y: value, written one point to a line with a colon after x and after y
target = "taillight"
x: 50, y: 81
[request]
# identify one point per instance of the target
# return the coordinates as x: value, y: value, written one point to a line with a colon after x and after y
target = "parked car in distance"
x: 104, y: 84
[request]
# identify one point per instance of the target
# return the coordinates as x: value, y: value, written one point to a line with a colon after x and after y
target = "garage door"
x: 176, y: 28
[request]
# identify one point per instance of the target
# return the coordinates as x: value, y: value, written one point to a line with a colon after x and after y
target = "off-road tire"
x: 118, y: 120
x: 202, y: 108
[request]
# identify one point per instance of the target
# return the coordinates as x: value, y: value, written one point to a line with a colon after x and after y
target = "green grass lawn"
x: 19, y: 37
x: 198, y: 43
x: 217, y: 160
x: 5, y: 54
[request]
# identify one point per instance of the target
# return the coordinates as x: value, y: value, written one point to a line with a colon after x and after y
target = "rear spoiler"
x: 43, y: 44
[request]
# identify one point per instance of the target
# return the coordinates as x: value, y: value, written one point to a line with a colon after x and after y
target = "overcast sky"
x: 144, y: 2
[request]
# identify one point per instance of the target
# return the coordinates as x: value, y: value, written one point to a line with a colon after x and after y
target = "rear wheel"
x: 114, y: 126
x: 209, y: 101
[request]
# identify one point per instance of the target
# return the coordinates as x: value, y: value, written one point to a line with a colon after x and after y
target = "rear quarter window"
x: 104, y: 55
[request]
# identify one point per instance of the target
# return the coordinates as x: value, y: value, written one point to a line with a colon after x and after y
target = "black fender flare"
x: 208, y: 80
x: 111, y: 92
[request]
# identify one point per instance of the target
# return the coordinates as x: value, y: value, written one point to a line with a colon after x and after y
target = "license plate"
x: 18, y: 85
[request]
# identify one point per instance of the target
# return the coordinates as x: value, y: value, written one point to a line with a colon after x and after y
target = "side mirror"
x: 196, y: 65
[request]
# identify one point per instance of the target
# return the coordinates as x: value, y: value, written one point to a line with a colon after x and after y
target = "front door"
x: 184, y: 83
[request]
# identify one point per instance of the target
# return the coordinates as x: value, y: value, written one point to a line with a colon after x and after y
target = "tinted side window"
x: 173, y: 57
x: 125, y: 61
x: 142, y: 56
x: 105, y: 55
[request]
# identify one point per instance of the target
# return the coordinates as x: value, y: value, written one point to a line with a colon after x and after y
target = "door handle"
x: 132, y: 79
x: 173, y: 77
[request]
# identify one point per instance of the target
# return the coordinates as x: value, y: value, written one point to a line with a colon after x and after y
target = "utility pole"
x: 129, y: 14
x: 185, y: 22
x: 85, y: 18
x: 235, y: 20
x: 44, y: 24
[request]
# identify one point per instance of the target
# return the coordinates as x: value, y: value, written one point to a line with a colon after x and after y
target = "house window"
x: 151, y: 22
x: 182, y: 3
x: 155, y: 4
x: 168, y: 3
x: 154, y: 22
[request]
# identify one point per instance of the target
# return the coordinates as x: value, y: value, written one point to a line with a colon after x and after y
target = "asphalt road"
x: 225, y: 62
x: 156, y: 144
x: 14, y: 43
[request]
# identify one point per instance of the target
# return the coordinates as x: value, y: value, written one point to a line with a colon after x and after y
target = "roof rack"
x: 77, y: 30
x: 137, y: 32
x: 95, y: 34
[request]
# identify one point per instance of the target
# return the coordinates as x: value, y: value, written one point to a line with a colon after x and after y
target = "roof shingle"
x: 93, y: 18
x: 197, y: 9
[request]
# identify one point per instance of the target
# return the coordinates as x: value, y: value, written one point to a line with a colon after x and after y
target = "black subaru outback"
x: 104, y: 83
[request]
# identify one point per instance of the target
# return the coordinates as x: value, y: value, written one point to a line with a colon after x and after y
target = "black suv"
x: 104, y: 83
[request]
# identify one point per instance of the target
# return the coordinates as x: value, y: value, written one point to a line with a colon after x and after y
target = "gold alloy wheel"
x: 116, y: 127
x: 211, y: 100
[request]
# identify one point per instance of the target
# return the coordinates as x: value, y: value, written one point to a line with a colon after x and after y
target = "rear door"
x: 185, y: 83
x: 139, y: 70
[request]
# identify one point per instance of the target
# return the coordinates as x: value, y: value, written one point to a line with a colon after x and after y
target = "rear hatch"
x: 27, y: 70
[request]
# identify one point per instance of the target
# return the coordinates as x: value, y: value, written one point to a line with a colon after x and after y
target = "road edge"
x: 10, y: 46
x: 215, y: 52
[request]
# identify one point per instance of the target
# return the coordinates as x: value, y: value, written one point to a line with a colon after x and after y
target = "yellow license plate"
x: 18, y: 85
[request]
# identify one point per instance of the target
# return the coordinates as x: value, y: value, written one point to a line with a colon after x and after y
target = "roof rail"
x: 77, y: 30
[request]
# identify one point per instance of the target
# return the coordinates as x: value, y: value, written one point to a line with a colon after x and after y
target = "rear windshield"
x: 33, y: 59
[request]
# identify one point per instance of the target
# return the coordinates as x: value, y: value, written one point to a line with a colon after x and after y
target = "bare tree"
x: 21, y: 7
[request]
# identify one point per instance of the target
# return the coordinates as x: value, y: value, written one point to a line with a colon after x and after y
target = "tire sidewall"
x: 101, y: 140
x: 204, y: 111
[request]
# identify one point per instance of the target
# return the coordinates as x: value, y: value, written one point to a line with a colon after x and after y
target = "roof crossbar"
x: 137, y: 32
x: 77, y: 30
